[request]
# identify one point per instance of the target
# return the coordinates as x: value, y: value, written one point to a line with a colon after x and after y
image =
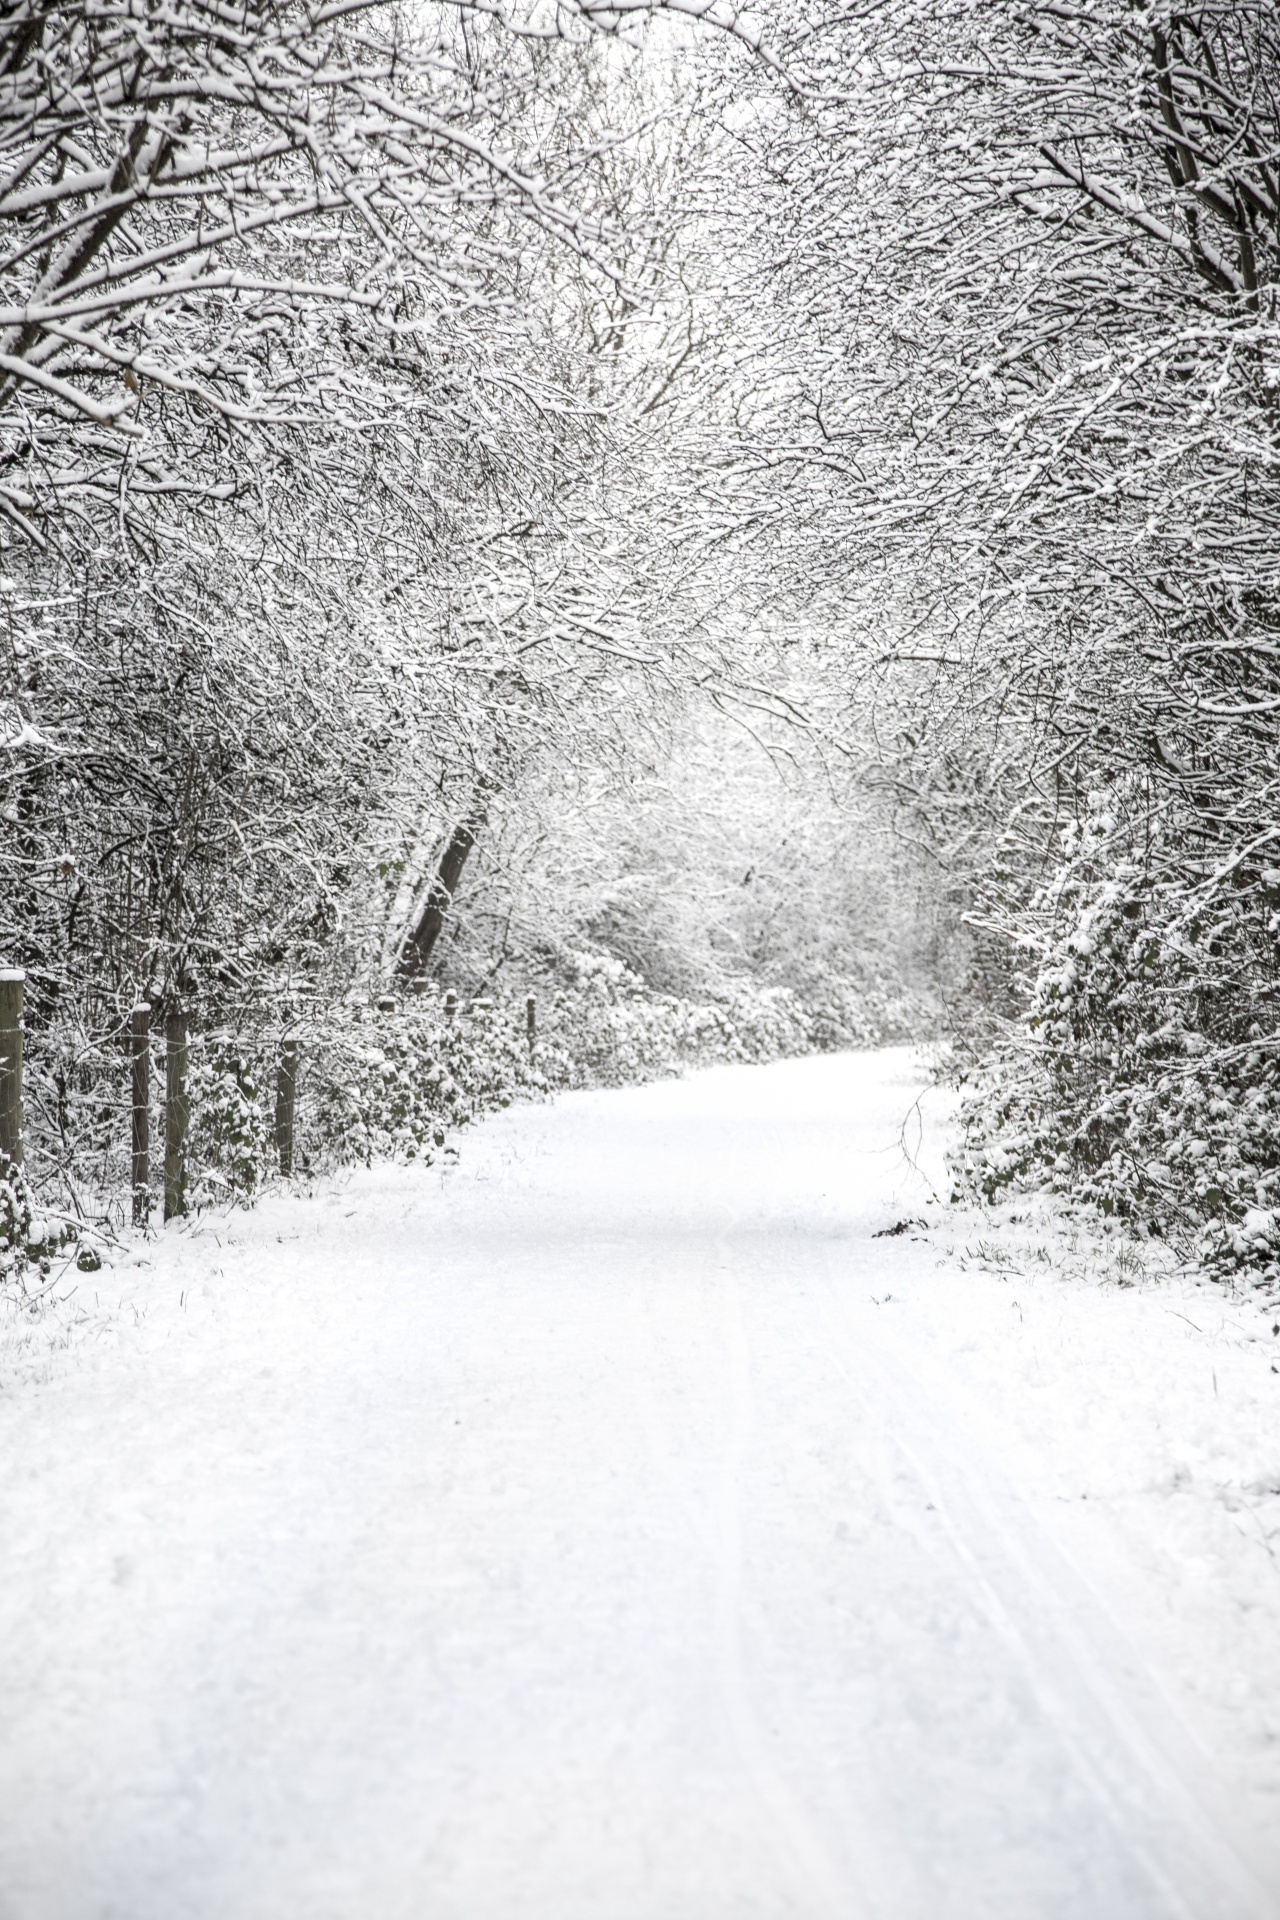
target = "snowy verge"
x: 1137, y: 1402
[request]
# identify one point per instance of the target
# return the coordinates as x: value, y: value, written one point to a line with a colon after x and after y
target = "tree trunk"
x: 416, y: 951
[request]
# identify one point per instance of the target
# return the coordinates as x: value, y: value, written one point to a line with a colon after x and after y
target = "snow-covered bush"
x: 395, y: 1080
x: 393, y: 1083
x: 607, y: 1029
x: 1145, y: 1078
x: 228, y: 1139
x: 16, y: 1215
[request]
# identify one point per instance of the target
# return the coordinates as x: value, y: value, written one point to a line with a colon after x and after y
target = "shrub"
x: 228, y: 1139
x: 16, y: 1216
x: 1144, y: 1078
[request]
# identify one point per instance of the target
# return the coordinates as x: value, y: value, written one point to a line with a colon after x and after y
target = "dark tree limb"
x: 422, y: 937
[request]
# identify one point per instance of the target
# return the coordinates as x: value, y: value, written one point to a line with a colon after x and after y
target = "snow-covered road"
x: 614, y: 1529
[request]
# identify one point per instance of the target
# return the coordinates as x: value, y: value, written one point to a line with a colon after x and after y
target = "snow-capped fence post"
x: 12, y: 990
x: 176, y: 1113
x: 531, y: 1021
x: 450, y: 1005
x: 140, y: 1043
x: 286, y: 1092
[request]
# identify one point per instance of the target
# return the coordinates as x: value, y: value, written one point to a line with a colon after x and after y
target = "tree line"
x: 436, y: 429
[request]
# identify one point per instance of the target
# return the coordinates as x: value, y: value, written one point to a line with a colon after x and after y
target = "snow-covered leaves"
x: 15, y: 1219
x: 1147, y: 1078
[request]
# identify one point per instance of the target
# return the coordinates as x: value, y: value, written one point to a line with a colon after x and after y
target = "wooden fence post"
x: 176, y: 1112
x: 140, y: 1039
x: 450, y: 1005
x: 531, y: 1021
x: 286, y: 1090
x: 12, y: 989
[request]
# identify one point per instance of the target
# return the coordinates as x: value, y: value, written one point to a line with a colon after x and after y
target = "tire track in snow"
x: 800, y: 1845
x: 1123, y: 1739
x: 816, y: 1885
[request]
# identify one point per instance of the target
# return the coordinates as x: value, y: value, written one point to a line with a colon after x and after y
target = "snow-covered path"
x: 616, y: 1530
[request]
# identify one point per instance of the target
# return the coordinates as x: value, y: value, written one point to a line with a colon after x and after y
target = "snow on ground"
x: 613, y: 1528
